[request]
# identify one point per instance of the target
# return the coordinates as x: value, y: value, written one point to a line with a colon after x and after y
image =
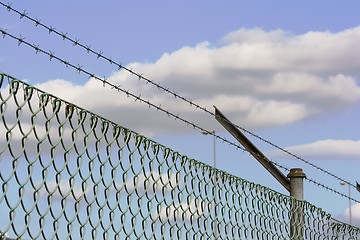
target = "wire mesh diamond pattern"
x: 67, y: 173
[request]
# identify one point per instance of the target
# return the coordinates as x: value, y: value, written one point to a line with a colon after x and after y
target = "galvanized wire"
x: 66, y: 173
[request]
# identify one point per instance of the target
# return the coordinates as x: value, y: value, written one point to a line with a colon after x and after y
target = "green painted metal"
x: 66, y: 173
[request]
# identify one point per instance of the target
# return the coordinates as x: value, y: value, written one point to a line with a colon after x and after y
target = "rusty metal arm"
x: 253, y: 150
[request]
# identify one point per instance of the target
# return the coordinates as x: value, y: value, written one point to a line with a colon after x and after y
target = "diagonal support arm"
x: 253, y: 150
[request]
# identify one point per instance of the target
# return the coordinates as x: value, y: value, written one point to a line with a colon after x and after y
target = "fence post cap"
x: 296, y: 173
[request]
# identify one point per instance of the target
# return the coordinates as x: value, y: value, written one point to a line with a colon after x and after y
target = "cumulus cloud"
x: 355, y: 215
x: 148, y: 183
x: 183, y: 212
x: 258, y: 78
x: 324, y: 149
x: 62, y: 190
x: 328, y: 93
x: 279, y: 50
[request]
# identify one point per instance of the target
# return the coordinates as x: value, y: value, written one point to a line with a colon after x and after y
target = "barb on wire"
x: 20, y: 40
x: 63, y: 35
x: 99, y: 54
x: 279, y: 165
x: 23, y: 14
x: 37, y: 22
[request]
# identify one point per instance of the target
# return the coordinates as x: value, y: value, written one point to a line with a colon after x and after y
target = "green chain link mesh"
x: 66, y: 173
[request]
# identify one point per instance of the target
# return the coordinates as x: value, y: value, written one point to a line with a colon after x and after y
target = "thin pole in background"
x: 346, y: 183
x: 215, y: 221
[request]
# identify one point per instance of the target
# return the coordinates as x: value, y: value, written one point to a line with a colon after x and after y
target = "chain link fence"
x: 66, y: 173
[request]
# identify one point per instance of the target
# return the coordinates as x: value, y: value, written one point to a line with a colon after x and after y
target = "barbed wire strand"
x: 79, y: 69
x: 99, y: 54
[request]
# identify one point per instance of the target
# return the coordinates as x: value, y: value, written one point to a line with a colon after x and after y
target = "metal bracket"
x: 252, y: 149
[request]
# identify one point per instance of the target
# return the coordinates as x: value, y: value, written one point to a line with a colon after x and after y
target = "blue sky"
x: 286, y: 71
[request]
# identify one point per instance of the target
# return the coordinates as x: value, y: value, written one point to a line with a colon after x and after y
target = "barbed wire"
x: 100, y: 54
x: 79, y: 69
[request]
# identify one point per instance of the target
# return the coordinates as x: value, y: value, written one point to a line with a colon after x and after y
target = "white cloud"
x: 355, y: 215
x: 339, y: 87
x: 324, y: 149
x: 275, y: 113
x: 279, y: 50
x: 261, y: 78
x: 62, y: 190
x: 183, y: 212
x: 149, y: 183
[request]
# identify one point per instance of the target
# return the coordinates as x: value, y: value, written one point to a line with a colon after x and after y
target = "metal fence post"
x: 296, y: 176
